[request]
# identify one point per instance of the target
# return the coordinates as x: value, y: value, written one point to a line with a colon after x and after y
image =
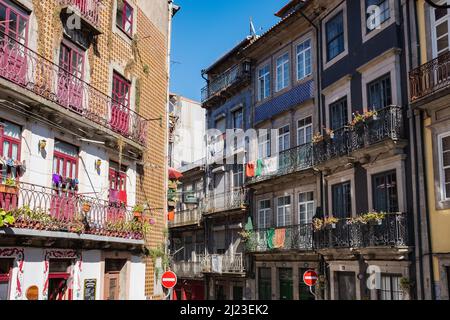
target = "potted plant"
x: 6, y: 219
x: 138, y: 210
x: 318, y: 224
x: 331, y: 222
x: 374, y: 217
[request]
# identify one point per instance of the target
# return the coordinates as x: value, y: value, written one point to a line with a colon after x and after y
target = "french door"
x: 120, y: 109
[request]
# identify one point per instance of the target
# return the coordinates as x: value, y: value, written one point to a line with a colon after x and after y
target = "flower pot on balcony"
x: 8, y: 189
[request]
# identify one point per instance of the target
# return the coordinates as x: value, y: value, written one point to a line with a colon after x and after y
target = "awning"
x: 174, y: 174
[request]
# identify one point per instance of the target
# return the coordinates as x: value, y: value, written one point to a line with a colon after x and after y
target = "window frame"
x: 266, y: 79
x: 349, y: 200
x: 304, y: 127
x: 387, y: 19
x: 376, y: 191
x: 391, y: 292
x: 120, y: 80
x: 266, y: 212
x: 73, y: 50
x: 285, y: 74
x: 433, y: 25
x: 121, y: 25
x: 306, y: 203
x: 283, y: 136
x: 442, y: 168
x: 264, y: 145
x: 12, y: 141
x: 304, y: 52
x: 66, y: 158
x: 20, y: 14
x: 385, y: 96
x: 335, y: 37
x: 339, y: 102
x: 287, y: 212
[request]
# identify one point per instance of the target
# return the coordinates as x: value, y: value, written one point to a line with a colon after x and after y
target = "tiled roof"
x: 293, y: 97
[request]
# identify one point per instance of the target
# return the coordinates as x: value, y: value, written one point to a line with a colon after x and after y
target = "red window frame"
x: 117, y: 180
x: 120, y: 109
x: 5, y: 27
x: 65, y: 158
x: 6, y: 277
x: 12, y: 141
x: 122, y: 24
x: 121, y: 90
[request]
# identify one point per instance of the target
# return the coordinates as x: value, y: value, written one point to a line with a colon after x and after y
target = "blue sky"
x: 203, y: 30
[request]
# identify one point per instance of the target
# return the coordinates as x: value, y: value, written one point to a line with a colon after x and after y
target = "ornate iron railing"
x: 289, y: 161
x: 231, y: 200
x: 89, y: 9
x: 387, y: 124
x: 392, y: 231
x: 234, y: 75
x: 186, y: 217
x: 189, y: 269
x: 24, y: 67
x: 430, y: 77
x: 217, y: 263
x: 42, y: 208
x: 298, y: 237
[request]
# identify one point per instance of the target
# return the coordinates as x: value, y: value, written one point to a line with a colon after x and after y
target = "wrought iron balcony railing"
x: 392, y: 231
x: 387, y: 124
x: 89, y: 9
x: 223, y: 263
x: 189, y: 269
x: 235, y: 75
x: 186, y: 218
x: 430, y: 77
x: 41, y: 208
x: 299, y: 237
x: 289, y: 161
x: 27, y: 69
x: 220, y: 202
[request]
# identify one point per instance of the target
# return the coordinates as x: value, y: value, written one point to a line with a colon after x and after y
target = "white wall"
x: 92, y: 269
x: 137, y: 279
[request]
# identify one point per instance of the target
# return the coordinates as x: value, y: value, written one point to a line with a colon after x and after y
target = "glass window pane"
x: 3, y: 291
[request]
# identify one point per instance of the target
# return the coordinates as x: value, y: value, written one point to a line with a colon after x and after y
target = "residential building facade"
x: 83, y: 160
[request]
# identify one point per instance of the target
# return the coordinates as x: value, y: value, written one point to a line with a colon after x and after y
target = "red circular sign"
x: 310, y: 278
x: 169, y: 280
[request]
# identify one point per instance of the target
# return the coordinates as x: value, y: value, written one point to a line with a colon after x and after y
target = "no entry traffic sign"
x: 310, y: 278
x: 169, y: 280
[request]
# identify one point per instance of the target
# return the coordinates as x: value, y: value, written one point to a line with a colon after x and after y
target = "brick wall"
x: 145, y: 60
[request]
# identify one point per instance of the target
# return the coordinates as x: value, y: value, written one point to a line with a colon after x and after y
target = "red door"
x: 58, y: 287
x: 70, y: 75
x: 6, y: 266
x: 120, y: 112
x: 13, y: 42
x: 117, y: 192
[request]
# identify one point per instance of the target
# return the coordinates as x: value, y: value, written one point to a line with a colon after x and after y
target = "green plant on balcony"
x: 359, y: 118
x: 10, y: 182
x: 6, y: 219
x: 406, y: 285
x: 330, y: 221
x: 318, y: 137
x: 138, y: 210
x: 154, y: 254
x: 318, y: 224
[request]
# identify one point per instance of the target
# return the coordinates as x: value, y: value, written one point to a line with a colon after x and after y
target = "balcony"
x: 217, y: 263
x: 226, y: 83
x: 289, y: 161
x: 189, y: 269
x: 387, y: 125
x: 55, y: 211
x: 392, y: 231
x: 430, y: 78
x: 29, y: 75
x: 89, y: 10
x: 299, y: 237
x: 227, y: 201
x: 186, y: 218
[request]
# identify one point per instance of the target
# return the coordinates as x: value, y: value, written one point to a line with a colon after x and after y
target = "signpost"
x: 169, y: 281
x: 310, y: 279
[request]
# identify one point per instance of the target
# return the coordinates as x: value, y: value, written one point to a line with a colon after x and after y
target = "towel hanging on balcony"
x: 270, y: 165
x: 270, y: 238
x: 280, y: 238
x: 171, y: 216
x: 250, y: 170
x: 259, y: 168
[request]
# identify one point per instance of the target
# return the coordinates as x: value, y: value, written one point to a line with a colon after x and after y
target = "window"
x: 384, y: 190
x: 305, y: 207
x: 10, y: 135
x: 379, y: 93
x: 264, y: 213
x: 335, y: 36
x: 263, y: 144
x: 379, y: 14
x: 390, y: 288
x: 284, y: 211
x: 120, y: 115
x: 6, y: 266
x: 440, y: 21
x: 238, y: 119
x: 304, y: 59
x: 304, y: 131
x: 70, y: 88
x: 264, y: 82
x: 338, y: 114
x: 265, y: 284
x: 238, y: 175
x: 124, y: 17
x: 444, y: 153
x: 283, y: 138
x: 117, y: 183
x: 342, y: 200
x: 14, y: 23
x: 283, y: 68
x: 65, y: 160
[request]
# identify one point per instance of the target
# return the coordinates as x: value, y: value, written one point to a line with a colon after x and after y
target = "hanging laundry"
x: 10, y: 163
x: 270, y: 238
x: 216, y: 264
x: 270, y: 165
x: 250, y: 170
x: 280, y: 238
x: 171, y: 216
x: 259, y: 168
x: 56, y: 179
